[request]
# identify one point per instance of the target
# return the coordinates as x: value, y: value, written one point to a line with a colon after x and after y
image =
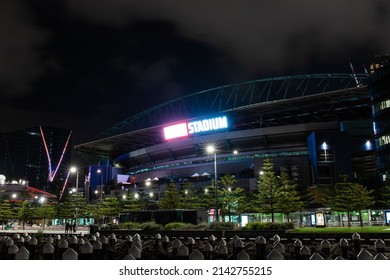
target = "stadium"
x: 317, y: 126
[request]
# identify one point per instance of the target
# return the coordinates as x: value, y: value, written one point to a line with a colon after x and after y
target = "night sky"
x: 86, y: 65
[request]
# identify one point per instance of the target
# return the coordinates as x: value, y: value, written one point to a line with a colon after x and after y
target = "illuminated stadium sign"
x: 185, y: 129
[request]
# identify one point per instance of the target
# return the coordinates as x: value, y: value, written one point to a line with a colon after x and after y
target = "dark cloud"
x: 259, y: 34
x: 20, y: 40
x: 88, y: 64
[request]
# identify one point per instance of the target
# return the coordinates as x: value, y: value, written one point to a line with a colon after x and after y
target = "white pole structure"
x: 211, y: 149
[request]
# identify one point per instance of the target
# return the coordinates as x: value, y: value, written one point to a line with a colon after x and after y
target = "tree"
x: 6, y: 211
x: 170, y: 198
x: 132, y: 202
x: 348, y: 197
x: 25, y: 212
x: 45, y: 211
x: 189, y: 200
x: 231, y: 199
x: 110, y: 207
x: 363, y: 199
x: 265, y: 199
x: 288, y: 197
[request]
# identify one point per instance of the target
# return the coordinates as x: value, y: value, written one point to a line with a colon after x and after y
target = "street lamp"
x: 99, y: 171
x: 211, y: 150
x: 75, y: 190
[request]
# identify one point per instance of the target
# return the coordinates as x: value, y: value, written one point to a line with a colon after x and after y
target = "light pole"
x: 74, y: 170
x: 211, y: 150
x: 99, y: 171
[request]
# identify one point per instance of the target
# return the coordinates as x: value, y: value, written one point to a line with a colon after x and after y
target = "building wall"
x: 379, y: 86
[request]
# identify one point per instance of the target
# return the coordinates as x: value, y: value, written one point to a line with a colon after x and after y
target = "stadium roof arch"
x: 262, y: 103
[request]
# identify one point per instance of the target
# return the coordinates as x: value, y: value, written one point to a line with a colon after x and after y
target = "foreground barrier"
x: 134, y: 247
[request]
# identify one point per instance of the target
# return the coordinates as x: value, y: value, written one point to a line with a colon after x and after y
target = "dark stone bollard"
x: 238, y: 245
x: 280, y: 247
x: 297, y: 249
x: 112, y: 240
x: 261, y: 248
x: 157, y: 242
x: 22, y: 254
x: 175, y: 246
x: 32, y: 248
x: 104, y: 241
x: 212, y: 240
x: 165, y: 243
x: 27, y: 240
x: 191, y: 244
x: 97, y: 250
x: 196, y: 255
x: 135, y: 252
x: 48, y: 252
x: 208, y: 251
x: 325, y: 247
x: 357, y: 245
x: 344, y: 246
x: 129, y: 257
x: 316, y: 257
x: 276, y: 239
x: 70, y: 254
x: 63, y: 246
x: 72, y: 242
x: 380, y: 246
x: 12, y: 251
x: 275, y: 255
x: 243, y: 256
x: 304, y: 253
x: 86, y: 251
x: 129, y: 241
x: 364, y: 255
x: 183, y: 253
x: 222, y: 252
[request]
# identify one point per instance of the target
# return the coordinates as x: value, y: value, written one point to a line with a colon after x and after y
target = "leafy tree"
x: 288, y: 198
x: 231, y: 199
x: 363, y: 199
x: 111, y: 207
x: 170, y: 198
x: 207, y: 197
x: 25, y: 212
x: 131, y: 203
x: 189, y: 199
x: 348, y: 197
x: 266, y: 197
x: 45, y: 211
x: 6, y: 211
x: 382, y: 197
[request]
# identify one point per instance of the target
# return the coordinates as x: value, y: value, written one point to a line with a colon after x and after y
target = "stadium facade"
x: 316, y: 126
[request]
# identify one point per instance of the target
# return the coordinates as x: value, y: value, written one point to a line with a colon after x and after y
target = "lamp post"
x: 211, y: 150
x: 99, y: 171
x: 74, y: 170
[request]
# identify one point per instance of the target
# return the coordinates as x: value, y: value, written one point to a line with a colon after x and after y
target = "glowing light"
x: 52, y: 173
x: 210, y: 149
x: 368, y: 145
x: 175, y: 131
x: 324, y: 146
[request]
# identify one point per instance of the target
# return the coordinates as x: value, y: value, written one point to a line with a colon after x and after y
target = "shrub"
x: 201, y: 226
x: 222, y: 225
x: 131, y: 225
x: 178, y: 225
x: 151, y: 226
x: 268, y: 226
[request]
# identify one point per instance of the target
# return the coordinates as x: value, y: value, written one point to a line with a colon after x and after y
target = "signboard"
x: 185, y: 129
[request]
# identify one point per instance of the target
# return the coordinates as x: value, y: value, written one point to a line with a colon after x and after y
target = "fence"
x: 135, y: 247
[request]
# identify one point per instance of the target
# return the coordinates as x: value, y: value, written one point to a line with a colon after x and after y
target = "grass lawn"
x: 367, y: 229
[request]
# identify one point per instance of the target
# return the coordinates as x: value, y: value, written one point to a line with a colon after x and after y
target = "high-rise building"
x: 379, y: 87
x: 38, y: 155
